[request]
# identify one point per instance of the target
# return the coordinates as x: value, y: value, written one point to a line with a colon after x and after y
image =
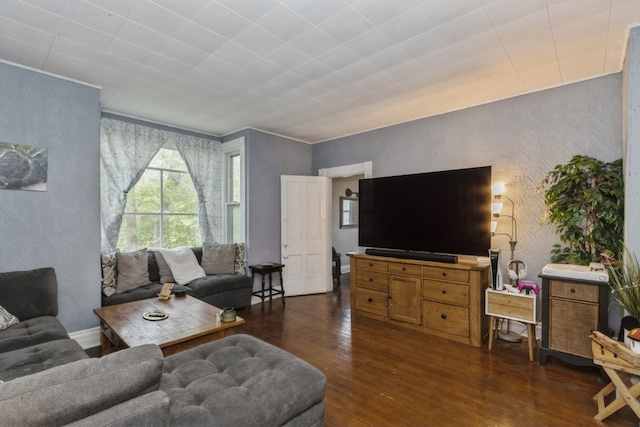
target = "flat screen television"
x: 445, y: 212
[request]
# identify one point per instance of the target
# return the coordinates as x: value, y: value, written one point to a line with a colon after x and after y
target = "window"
x: 234, y: 211
x: 162, y: 208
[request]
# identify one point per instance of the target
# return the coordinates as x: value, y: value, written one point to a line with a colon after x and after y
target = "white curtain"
x: 204, y: 162
x: 126, y: 149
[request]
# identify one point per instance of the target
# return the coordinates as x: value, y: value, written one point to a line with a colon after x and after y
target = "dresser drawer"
x: 373, y: 280
x: 451, y: 319
x: 405, y: 269
x: 374, y: 265
x: 448, y: 274
x: 370, y: 301
x: 446, y: 292
x: 513, y: 306
x: 574, y: 291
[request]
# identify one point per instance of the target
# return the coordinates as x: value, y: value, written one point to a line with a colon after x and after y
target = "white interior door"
x: 305, y: 228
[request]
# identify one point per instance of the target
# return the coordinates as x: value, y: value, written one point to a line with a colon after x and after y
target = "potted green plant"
x: 585, y: 202
x: 624, y: 280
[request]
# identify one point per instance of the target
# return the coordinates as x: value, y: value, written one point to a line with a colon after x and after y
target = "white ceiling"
x: 313, y: 70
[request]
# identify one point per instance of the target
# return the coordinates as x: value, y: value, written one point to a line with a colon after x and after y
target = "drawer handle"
x: 573, y: 291
x: 404, y: 268
x: 371, y: 279
x: 370, y: 265
x: 444, y: 273
x: 444, y: 291
x: 443, y: 316
x: 370, y: 300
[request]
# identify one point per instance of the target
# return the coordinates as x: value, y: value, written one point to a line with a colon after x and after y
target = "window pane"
x: 145, y: 195
x: 179, y: 193
x: 180, y: 230
x: 168, y: 159
x: 139, y: 231
x: 233, y: 224
x: 234, y: 178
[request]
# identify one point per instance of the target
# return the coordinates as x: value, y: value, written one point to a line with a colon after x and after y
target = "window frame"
x: 230, y: 149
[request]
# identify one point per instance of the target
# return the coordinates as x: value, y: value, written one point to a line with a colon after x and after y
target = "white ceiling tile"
x: 201, y: 38
x: 22, y: 53
x: 168, y: 65
x: 388, y: 58
x: 316, y: 12
x: 130, y: 52
x: 92, y: 16
x: 82, y: 34
x: 424, y: 44
x: 274, y: 22
x: 465, y: 27
x: 186, y: 9
x: 345, y: 25
x: 337, y: 58
x: 525, y: 27
x: 440, y: 12
x: 379, y: 11
x: 26, y: 14
x: 505, y: 12
x: 257, y: 40
x: 157, y: 18
x: 369, y: 43
x: 119, y: 7
x: 250, y: 9
x: 265, y: 69
x: 290, y: 80
x: 142, y: 36
x: 183, y: 52
x: 236, y: 54
x: 13, y: 30
x: 288, y: 57
x: 312, y: 70
x: 406, y: 26
x: 54, y: 6
x: 221, y: 20
x: 314, y: 42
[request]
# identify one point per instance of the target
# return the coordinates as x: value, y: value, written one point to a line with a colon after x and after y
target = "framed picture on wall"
x: 23, y: 167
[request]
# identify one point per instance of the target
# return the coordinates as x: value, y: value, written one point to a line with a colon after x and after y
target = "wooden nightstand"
x: 507, y: 305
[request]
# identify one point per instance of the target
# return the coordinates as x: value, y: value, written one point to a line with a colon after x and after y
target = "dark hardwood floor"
x: 378, y: 375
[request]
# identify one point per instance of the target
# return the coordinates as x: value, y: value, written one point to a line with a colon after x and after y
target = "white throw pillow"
x: 6, y: 319
x: 183, y: 264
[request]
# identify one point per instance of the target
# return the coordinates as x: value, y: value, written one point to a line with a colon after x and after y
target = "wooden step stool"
x: 620, y: 364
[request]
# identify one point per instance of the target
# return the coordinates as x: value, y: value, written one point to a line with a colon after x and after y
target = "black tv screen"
x: 447, y: 212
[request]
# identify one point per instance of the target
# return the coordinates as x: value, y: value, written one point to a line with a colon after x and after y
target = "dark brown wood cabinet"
x: 437, y: 298
x: 571, y: 310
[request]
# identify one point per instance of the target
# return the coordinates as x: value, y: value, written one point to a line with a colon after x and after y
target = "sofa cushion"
x: 18, y: 288
x: 164, y: 272
x: 133, y: 270
x: 183, y: 264
x: 70, y: 392
x: 151, y: 409
x: 217, y: 284
x: 39, y: 357
x: 240, y: 380
x: 218, y: 258
x: 7, y: 319
x: 30, y: 332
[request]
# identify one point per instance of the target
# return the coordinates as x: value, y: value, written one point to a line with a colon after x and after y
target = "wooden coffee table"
x: 191, y: 322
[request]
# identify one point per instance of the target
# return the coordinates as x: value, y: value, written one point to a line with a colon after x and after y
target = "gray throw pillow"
x: 76, y: 390
x: 218, y: 258
x: 133, y: 270
x: 7, y: 319
x: 165, y: 271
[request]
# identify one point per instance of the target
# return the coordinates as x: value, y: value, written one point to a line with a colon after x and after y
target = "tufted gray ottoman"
x: 242, y: 381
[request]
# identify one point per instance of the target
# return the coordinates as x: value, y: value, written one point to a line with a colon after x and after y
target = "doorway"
x: 344, y: 184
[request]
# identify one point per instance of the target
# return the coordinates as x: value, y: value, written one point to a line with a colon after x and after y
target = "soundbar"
x: 421, y: 256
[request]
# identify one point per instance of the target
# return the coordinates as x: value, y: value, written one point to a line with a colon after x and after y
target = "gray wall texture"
x: 522, y: 138
x: 58, y: 228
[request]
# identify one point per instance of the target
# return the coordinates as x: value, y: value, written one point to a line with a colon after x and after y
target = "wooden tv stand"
x: 441, y: 299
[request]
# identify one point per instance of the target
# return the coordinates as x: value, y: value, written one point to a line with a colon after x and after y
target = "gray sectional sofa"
x: 220, y: 290
x: 48, y: 380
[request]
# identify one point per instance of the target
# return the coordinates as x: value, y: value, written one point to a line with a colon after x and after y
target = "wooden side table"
x: 512, y: 306
x: 263, y: 270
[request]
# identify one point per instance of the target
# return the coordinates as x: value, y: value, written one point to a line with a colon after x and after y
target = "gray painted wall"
x: 267, y: 157
x: 522, y: 139
x: 631, y: 134
x: 58, y: 228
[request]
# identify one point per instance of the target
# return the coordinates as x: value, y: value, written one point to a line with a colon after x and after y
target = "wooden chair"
x: 620, y: 364
x: 336, y: 265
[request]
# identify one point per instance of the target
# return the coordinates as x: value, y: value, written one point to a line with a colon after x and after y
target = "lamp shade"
x: 497, y: 189
x: 496, y: 208
x: 494, y: 225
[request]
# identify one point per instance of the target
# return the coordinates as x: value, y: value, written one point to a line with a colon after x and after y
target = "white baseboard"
x: 87, y: 338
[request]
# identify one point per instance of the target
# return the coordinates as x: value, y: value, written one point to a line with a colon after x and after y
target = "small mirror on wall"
x: 348, y: 212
